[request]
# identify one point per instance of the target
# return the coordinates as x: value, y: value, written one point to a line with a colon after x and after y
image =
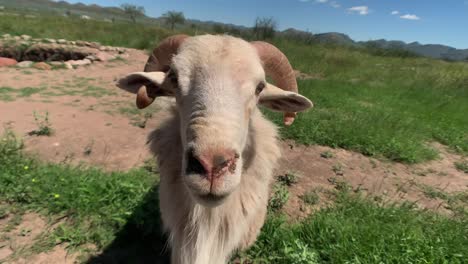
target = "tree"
x: 265, y: 27
x: 173, y: 17
x: 133, y: 11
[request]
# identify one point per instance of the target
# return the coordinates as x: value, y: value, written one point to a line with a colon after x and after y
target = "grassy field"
x: 380, y: 106
x: 98, y: 208
x: 389, y: 107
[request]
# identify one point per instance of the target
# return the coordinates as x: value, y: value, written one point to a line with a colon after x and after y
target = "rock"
x: 103, y: 56
x: 81, y: 43
x: 17, y: 38
x: 7, y: 62
x: 26, y: 37
x: 48, y: 40
x: 68, y: 66
x: 24, y: 64
x: 91, y: 58
x: 6, y: 36
x: 56, y: 63
x: 62, y: 41
x: 121, y: 50
x: 42, y: 66
x: 79, y: 62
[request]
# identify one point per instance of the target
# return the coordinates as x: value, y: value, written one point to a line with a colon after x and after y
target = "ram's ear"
x: 146, y: 85
x: 280, y: 100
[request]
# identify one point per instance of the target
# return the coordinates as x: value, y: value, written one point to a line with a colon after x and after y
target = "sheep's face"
x: 217, y: 84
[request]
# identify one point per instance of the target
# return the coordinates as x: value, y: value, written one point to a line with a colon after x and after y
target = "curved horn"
x: 160, y: 58
x: 159, y: 61
x: 277, y: 66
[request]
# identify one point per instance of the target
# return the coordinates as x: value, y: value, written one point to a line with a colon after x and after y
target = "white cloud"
x: 410, y: 17
x: 396, y: 12
x: 361, y: 10
x: 335, y: 4
x: 321, y: 1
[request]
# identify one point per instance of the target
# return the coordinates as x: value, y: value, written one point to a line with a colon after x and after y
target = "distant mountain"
x: 334, y: 38
x: 428, y: 50
x: 63, y: 7
x: 114, y: 13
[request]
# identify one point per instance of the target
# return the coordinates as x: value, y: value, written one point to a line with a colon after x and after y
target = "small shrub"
x: 326, y: 154
x: 43, y: 123
x: 288, y: 179
x: 462, y: 166
x: 311, y: 197
x: 338, y: 169
x: 279, y: 198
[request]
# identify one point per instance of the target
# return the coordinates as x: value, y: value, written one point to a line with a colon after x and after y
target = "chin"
x: 206, y: 195
x: 211, y: 200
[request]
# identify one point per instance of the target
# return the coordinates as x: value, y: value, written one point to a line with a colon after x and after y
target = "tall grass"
x: 123, y: 34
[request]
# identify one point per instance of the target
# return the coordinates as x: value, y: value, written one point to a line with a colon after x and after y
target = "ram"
x: 216, y: 152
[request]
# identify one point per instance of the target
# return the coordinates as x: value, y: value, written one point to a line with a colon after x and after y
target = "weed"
x: 288, y: 179
x: 340, y: 185
x: 462, y: 166
x: 3, y: 212
x: 43, y: 123
x: 311, y: 197
x: 433, y: 193
x: 338, y: 169
x: 89, y: 148
x: 142, y: 123
x: 280, y: 196
x: 151, y: 165
x: 327, y: 154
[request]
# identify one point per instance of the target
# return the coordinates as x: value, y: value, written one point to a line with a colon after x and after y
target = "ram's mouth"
x: 213, y: 199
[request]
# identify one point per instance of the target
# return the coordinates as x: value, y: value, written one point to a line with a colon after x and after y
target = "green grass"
x: 115, y: 34
x: 380, y: 106
x: 356, y: 230
x: 9, y: 94
x: 95, y: 204
x: 96, y: 207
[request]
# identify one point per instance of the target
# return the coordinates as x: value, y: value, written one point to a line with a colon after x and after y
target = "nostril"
x: 220, y: 161
x: 194, y: 166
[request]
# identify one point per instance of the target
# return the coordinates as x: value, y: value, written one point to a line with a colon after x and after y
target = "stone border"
x: 96, y: 52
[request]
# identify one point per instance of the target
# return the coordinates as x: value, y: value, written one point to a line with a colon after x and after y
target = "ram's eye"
x: 260, y: 87
x: 172, y: 77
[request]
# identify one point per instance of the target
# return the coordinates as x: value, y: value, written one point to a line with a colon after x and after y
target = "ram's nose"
x: 212, y: 163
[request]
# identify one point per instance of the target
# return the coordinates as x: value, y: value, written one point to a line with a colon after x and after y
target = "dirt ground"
x: 103, y: 129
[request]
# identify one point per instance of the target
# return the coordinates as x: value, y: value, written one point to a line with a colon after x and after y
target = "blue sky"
x: 425, y: 21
